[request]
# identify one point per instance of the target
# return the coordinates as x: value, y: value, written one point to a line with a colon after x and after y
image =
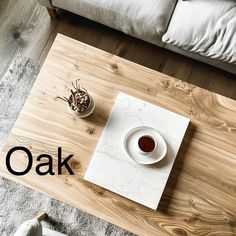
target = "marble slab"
x: 113, y: 169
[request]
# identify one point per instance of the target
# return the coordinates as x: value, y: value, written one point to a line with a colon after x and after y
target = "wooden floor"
x: 25, y: 28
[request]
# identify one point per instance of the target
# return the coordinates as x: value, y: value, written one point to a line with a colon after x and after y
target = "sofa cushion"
x: 147, y: 19
x: 207, y: 27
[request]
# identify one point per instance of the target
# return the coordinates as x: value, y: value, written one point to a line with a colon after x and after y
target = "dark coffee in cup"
x: 146, y: 144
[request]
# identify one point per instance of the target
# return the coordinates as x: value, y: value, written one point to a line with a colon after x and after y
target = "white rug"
x: 18, y: 203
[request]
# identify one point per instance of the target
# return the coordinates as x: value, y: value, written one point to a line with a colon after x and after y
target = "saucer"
x: 132, y: 148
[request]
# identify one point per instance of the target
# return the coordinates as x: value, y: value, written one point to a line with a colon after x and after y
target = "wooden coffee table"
x: 200, y: 196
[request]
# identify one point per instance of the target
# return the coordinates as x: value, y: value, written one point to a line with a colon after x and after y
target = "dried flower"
x: 79, y: 99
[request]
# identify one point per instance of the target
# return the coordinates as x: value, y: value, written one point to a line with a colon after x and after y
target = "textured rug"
x: 19, y: 203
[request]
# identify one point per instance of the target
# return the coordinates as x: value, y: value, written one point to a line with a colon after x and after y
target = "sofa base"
x: 52, y: 12
x: 213, y: 62
x: 146, y: 37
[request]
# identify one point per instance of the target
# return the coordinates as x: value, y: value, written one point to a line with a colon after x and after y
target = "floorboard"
x: 25, y: 28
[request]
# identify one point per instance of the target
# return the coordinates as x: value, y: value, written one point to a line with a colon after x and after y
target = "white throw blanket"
x: 34, y: 228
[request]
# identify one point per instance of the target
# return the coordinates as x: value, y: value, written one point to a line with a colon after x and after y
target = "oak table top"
x: 200, y: 196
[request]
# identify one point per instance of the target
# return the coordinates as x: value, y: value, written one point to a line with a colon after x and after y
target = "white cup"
x: 147, y: 144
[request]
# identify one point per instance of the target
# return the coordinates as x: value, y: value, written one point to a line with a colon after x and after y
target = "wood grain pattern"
x: 201, y: 192
x: 24, y: 30
x: 144, y: 53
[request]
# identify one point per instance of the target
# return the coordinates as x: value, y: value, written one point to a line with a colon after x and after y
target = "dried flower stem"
x: 63, y: 99
x: 74, y: 100
x: 79, y: 99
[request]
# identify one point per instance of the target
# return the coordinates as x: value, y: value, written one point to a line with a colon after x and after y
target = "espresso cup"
x: 147, y: 144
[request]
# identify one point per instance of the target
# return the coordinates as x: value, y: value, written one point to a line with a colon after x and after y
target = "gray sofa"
x: 201, y: 29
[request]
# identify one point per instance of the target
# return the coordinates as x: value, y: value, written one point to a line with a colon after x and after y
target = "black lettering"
x: 63, y: 163
x: 49, y: 163
x: 30, y: 160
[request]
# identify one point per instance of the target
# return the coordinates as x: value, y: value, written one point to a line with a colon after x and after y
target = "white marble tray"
x: 113, y: 169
